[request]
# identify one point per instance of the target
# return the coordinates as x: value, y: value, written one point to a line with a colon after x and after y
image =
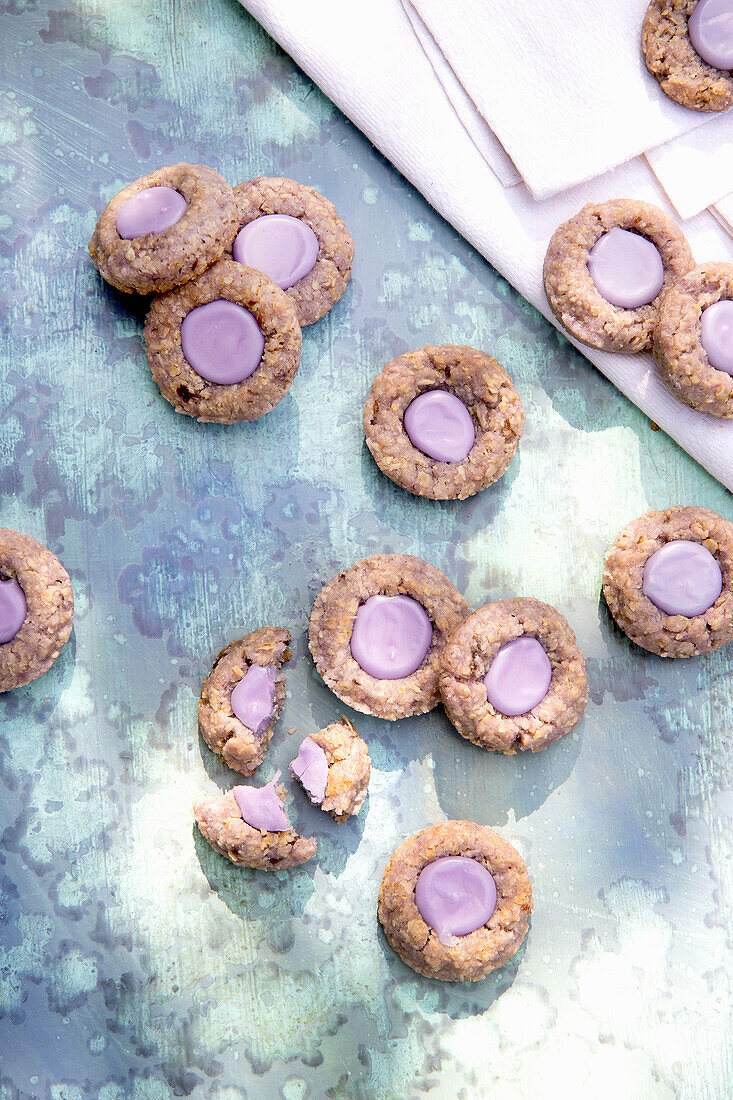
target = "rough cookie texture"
x: 682, y: 360
x: 157, y: 262
x: 50, y: 603
x: 676, y: 64
x: 462, y: 958
x: 623, y: 575
x: 239, y: 747
x: 571, y: 292
x: 466, y: 660
x: 220, y: 821
x: 332, y: 621
x: 322, y: 287
x: 180, y: 384
x: 485, y: 389
x: 349, y: 768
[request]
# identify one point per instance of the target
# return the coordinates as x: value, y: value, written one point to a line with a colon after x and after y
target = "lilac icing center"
x: 716, y: 335
x: 682, y: 578
x: 253, y: 698
x: 280, y: 246
x: 391, y: 636
x: 455, y: 895
x: 150, y: 211
x: 711, y: 32
x: 13, y: 609
x: 626, y: 268
x: 440, y: 425
x: 222, y: 342
x: 519, y: 677
x: 261, y: 808
x: 311, y: 768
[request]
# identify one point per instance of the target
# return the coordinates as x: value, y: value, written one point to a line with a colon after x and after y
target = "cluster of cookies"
x: 236, y: 273
x: 240, y: 702
x: 392, y: 637
x: 620, y: 277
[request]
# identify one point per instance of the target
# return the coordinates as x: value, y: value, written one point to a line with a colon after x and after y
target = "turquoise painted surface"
x: 137, y: 962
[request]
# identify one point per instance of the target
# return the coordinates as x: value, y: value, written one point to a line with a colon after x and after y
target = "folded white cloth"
x: 563, y: 86
x: 696, y: 170
x: 367, y: 59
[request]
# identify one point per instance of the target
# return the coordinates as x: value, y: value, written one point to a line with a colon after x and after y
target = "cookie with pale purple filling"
x: 688, y: 48
x: 333, y: 767
x: 693, y: 339
x: 668, y: 581
x: 455, y: 901
x: 226, y: 346
x: 293, y: 234
x: 36, y: 609
x: 512, y: 676
x: 164, y: 229
x: 249, y: 826
x: 242, y: 697
x: 606, y: 267
x: 443, y: 422
x: 377, y: 631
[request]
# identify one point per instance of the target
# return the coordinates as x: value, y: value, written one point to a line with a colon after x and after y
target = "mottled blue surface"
x: 140, y: 964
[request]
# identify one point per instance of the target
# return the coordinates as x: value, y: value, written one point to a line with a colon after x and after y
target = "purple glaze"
x: 311, y: 768
x: 519, y: 677
x: 13, y: 609
x: 222, y: 342
x: 626, y: 268
x: 391, y: 636
x: 682, y: 578
x: 150, y: 211
x: 261, y: 808
x: 253, y: 698
x: 440, y: 425
x: 282, y: 247
x: 716, y: 335
x: 711, y: 32
x: 455, y: 895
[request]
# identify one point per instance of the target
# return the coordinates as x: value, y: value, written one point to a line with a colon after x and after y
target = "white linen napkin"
x: 696, y: 170
x: 563, y: 86
x: 367, y: 59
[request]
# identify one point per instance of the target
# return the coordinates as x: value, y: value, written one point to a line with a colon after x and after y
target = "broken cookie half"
x: 242, y: 697
x: 249, y: 826
x: 333, y: 767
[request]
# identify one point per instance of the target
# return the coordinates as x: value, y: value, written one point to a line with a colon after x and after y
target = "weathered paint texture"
x: 138, y: 963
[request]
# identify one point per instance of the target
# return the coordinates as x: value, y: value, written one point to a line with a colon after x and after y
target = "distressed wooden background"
x: 137, y: 962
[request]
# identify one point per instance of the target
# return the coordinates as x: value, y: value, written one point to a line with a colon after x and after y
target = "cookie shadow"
x: 275, y: 898
x: 336, y: 843
x: 458, y: 1000
x: 474, y: 784
x: 38, y: 699
x: 433, y: 518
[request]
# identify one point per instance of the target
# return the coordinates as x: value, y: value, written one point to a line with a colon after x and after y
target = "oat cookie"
x: 668, y: 581
x: 243, y: 336
x: 469, y: 433
x: 36, y: 609
x: 393, y: 612
x: 312, y: 260
x: 220, y: 820
x: 687, y: 345
x: 481, y: 923
x: 242, y: 697
x: 512, y: 676
x: 333, y: 767
x: 670, y: 56
x: 573, y: 295
x: 165, y: 253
